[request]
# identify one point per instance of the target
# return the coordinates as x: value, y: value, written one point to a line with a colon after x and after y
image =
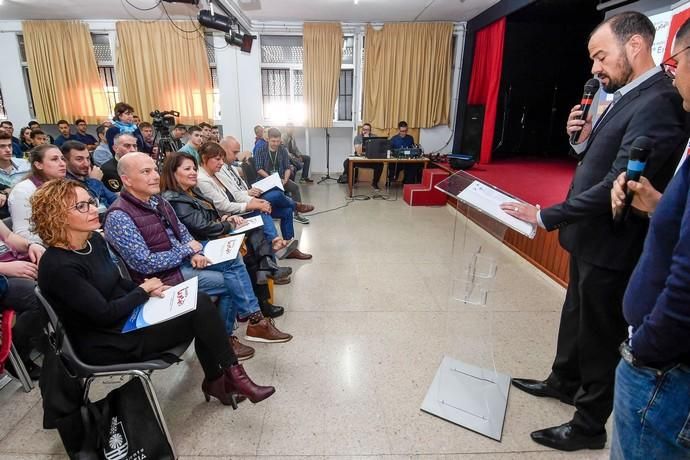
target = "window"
x: 105, y: 62
x: 282, y: 79
x: 25, y: 72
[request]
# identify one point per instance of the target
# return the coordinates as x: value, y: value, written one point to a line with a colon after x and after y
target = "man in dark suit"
x: 602, y: 256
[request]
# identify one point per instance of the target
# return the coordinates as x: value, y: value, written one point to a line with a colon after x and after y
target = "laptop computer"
x: 376, y: 147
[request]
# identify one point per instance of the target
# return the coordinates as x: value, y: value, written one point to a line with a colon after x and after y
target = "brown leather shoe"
x: 241, y: 350
x: 301, y: 207
x: 266, y: 331
x: 297, y: 254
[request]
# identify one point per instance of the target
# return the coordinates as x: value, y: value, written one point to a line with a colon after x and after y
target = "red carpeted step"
x: 425, y: 194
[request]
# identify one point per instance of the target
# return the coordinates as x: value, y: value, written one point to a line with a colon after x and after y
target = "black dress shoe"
x: 567, y: 437
x: 542, y: 389
x: 271, y: 311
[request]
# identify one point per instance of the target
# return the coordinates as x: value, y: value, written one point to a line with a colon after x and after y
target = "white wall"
x: 11, y: 77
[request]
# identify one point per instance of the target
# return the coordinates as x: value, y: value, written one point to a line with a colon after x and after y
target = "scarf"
x: 125, y: 127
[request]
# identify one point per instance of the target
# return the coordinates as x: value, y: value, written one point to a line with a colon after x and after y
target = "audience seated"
x: 298, y: 160
x: 273, y: 158
x: 359, y: 151
x: 65, y: 133
x: 146, y: 129
x: 38, y: 137
x: 143, y: 229
x: 231, y: 187
x: 101, y: 153
x: 79, y: 168
x: 123, y: 144
x: 33, y: 124
x: 259, y: 141
x: 82, y: 136
x: 25, y: 138
x: 123, y: 122
x: 12, y: 170
x: 19, y: 259
x: 67, y: 219
x: 213, y: 189
x: 215, y: 133
x: 178, y: 183
x: 47, y: 163
x: 176, y: 136
x: 8, y: 127
x: 206, y: 130
x: 194, y: 142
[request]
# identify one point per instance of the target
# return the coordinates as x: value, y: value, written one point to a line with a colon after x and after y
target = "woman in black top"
x: 199, y: 215
x: 94, y: 302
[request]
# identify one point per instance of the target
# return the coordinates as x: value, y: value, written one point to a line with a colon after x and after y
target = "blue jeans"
x: 230, y: 282
x: 651, y: 413
x: 269, y: 227
x: 283, y: 209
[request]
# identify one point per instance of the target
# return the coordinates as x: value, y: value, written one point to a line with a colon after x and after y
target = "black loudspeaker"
x: 461, y: 161
x: 472, y: 132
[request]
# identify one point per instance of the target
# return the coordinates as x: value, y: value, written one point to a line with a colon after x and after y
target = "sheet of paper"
x: 267, y: 183
x: 252, y: 222
x: 176, y: 301
x: 488, y: 200
x: 223, y: 249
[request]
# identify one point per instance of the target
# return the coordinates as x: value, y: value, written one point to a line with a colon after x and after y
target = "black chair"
x: 89, y: 373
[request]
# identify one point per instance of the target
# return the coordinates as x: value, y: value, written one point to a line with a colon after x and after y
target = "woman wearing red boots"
x: 93, y: 301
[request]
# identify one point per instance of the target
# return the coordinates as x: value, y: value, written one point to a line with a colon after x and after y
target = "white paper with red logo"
x: 176, y: 301
x: 223, y: 249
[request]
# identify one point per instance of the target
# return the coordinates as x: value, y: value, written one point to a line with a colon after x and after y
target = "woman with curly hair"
x: 65, y: 216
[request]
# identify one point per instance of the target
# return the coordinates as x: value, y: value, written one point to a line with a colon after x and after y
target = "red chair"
x: 7, y: 350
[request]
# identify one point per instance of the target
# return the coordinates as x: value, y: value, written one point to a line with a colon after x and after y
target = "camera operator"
x: 176, y: 137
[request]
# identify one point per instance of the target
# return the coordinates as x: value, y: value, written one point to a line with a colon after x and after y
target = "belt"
x: 628, y: 356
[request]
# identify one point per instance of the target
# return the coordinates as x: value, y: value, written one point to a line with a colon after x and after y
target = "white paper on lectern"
x: 268, y: 183
x: 176, y: 301
x: 223, y: 249
x: 488, y: 200
x: 252, y: 223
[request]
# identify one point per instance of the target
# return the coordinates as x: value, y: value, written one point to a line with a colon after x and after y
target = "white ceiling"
x: 255, y: 10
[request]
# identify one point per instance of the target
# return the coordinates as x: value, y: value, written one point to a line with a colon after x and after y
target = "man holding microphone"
x: 601, y: 257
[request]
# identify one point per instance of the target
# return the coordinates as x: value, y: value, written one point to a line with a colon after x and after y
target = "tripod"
x: 165, y: 145
x: 328, y: 160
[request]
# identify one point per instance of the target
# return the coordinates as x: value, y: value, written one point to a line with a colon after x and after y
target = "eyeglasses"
x: 83, y: 206
x: 670, y: 65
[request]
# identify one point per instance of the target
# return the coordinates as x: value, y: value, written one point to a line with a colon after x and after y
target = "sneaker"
x: 242, y: 351
x: 307, y: 180
x: 301, y: 219
x: 266, y: 331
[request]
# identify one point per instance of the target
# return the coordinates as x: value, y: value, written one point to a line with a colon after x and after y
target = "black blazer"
x: 653, y: 109
x: 197, y: 214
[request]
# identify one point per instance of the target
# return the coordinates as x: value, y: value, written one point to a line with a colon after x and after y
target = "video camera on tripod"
x: 163, y: 122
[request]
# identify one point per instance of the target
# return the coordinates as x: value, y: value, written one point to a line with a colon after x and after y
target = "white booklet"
x: 488, y: 200
x: 223, y: 249
x: 252, y: 223
x: 268, y: 183
x: 176, y: 301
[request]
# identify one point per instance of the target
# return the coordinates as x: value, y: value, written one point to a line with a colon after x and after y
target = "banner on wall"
x: 678, y: 16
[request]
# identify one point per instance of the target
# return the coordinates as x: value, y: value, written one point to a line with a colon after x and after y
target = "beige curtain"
x: 63, y: 71
x: 161, y: 67
x: 322, y: 58
x: 407, y: 74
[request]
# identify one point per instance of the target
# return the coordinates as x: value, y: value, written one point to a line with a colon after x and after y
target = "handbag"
x: 123, y: 426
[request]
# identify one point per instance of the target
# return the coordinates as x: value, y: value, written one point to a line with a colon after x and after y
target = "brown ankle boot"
x: 218, y: 389
x: 242, y: 384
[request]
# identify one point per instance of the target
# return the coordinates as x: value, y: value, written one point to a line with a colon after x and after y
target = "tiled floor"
x: 372, y: 315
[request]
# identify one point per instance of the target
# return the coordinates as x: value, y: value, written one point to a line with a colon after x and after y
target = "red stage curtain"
x: 486, y: 78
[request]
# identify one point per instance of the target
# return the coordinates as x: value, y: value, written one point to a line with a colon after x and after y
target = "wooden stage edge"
x: 544, y: 251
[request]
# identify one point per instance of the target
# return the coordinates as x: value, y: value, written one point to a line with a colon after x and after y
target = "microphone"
x: 591, y: 88
x: 639, y: 152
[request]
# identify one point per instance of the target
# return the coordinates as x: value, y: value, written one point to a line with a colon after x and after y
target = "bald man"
x: 143, y: 229
x: 282, y: 206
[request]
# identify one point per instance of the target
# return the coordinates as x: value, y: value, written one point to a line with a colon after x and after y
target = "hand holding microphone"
x: 579, y: 124
x: 622, y: 195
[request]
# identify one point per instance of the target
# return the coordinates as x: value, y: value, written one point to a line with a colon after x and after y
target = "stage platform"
x: 538, y: 181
